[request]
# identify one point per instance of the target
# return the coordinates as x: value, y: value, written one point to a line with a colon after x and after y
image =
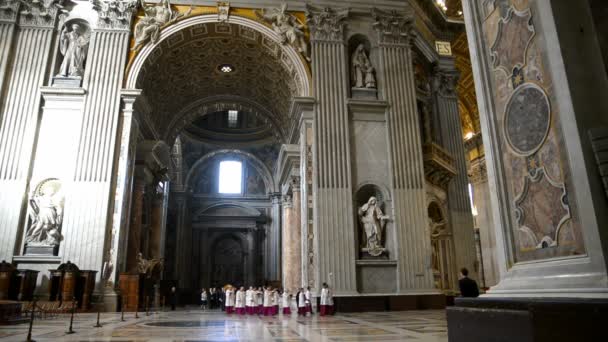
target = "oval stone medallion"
x: 527, y: 119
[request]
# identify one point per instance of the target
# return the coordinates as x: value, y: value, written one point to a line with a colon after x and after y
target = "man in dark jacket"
x: 468, y: 286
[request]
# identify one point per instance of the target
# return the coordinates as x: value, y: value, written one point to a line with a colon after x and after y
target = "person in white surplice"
x: 327, y: 301
x: 301, y: 302
x: 240, y: 301
x: 286, y: 302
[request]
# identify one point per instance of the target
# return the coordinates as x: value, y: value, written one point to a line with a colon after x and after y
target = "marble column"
x: 451, y: 138
x: 273, y: 241
x: 135, y: 228
x: 287, y: 251
x: 296, y: 235
x: 413, y: 248
x: 30, y: 47
x: 180, y: 236
x: 333, y: 208
x: 291, y: 239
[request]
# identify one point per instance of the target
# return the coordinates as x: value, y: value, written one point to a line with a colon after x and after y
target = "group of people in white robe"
x: 268, y: 300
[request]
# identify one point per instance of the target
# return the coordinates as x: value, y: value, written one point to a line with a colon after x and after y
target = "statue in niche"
x: 362, y: 71
x: 73, y: 45
x: 156, y: 16
x: 287, y: 27
x: 46, y: 214
x: 373, y: 221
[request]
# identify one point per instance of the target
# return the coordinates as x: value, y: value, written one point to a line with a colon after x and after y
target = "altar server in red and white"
x: 327, y: 301
x: 240, y: 301
x: 308, y: 297
x: 267, y: 301
x: 301, y: 302
x: 230, y: 300
x: 286, y: 303
x: 250, y: 301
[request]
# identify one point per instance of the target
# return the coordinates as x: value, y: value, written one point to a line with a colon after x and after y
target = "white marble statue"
x: 373, y: 221
x: 46, y: 214
x: 73, y: 44
x: 362, y: 71
x: 287, y: 26
x: 156, y: 16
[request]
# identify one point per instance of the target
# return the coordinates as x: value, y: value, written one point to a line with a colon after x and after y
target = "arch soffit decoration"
x: 217, y: 103
x: 289, y: 60
x: 259, y: 166
x: 246, y: 210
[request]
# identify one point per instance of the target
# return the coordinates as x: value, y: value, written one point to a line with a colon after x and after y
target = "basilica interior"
x: 389, y: 149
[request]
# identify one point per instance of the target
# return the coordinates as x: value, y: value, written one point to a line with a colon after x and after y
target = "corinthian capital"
x: 40, y: 13
x: 445, y: 82
x: 393, y: 28
x: 9, y: 10
x: 115, y: 14
x: 326, y: 24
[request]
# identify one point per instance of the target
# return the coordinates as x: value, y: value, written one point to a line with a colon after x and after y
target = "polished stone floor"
x: 197, y: 326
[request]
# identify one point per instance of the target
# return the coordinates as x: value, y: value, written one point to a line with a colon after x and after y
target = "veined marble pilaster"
x: 273, y: 240
x: 407, y: 183
x: 334, y: 233
x: 19, y: 108
x: 450, y: 130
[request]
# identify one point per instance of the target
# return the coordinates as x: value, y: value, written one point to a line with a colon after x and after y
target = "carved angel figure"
x: 287, y: 26
x: 156, y: 16
x: 73, y: 45
x: 46, y: 214
x: 362, y: 71
x: 373, y: 221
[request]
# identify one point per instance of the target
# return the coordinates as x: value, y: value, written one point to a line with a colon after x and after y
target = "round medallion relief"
x: 527, y: 119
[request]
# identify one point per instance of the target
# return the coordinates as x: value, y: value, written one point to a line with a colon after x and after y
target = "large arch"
x: 180, y: 72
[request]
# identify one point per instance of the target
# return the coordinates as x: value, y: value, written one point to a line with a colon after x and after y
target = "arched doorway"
x: 222, y: 90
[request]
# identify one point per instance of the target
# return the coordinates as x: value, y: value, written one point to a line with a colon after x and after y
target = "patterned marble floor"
x: 198, y: 326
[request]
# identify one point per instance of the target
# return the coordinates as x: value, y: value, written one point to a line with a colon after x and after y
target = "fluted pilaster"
x: 334, y: 232
x: 450, y: 130
x: 407, y: 180
x: 19, y: 109
x: 8, y: 19
x: 92, y: 200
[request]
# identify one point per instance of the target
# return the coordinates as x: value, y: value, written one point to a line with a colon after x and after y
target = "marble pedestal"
x: 527, y: 320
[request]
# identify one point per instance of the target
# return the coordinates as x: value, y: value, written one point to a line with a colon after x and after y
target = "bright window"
x: 230, y: 177
x: 233, y: 117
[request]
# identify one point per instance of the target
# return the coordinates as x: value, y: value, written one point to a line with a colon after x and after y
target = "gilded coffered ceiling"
x: 185, y: 69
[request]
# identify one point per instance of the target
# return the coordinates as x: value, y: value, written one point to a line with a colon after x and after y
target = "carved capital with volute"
x: 327, y: 24
x: 394, y: 28
x: 115, y: 14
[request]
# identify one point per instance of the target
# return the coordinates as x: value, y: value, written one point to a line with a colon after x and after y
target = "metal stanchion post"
x: 136, y: 309
x: 163, y: 306
x: 29, y: 331
x: 71, y: 331
x: 122, y: 311
x: 98, y: 325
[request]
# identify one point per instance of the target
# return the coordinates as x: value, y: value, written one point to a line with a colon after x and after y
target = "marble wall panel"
x: 531, y: 135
